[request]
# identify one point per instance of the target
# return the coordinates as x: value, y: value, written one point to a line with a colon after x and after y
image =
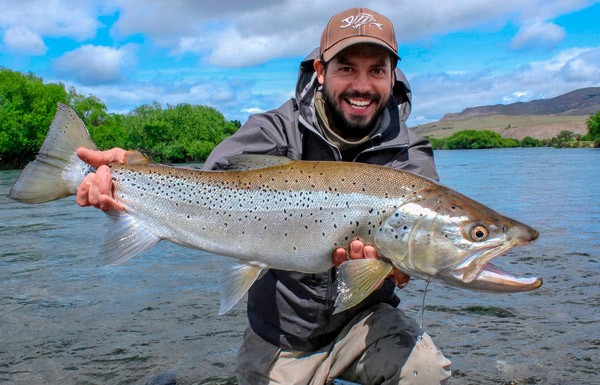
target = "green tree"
x: 528, y: 141
x: 183, y: 132
x: 593, y: 125
x: 27, y: 107
x: 106, y: 129
x: 564, y: 139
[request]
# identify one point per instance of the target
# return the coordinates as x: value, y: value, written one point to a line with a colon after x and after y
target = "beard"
x: 356, y: 126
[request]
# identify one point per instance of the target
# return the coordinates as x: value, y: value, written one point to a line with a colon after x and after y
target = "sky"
x: 242, y: 56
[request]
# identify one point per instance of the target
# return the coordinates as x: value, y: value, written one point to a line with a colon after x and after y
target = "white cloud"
x: 576, y: 65
x: 584, y: 67
x: 563, y: 60
x: 517, y: 96
x: 252, y: 110
x: 538, y: 35
x: 91, y: 64
x: 241, y: 33
x: 22, y: 39
x: 439, y: 93
x: 57, y: 18
x: 234, y: 50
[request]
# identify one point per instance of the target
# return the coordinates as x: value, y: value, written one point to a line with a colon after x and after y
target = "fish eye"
x: 479, y: 233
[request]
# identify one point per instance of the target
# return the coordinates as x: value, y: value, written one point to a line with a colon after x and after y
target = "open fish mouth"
x: 493, y: 279
x: 478, y: 273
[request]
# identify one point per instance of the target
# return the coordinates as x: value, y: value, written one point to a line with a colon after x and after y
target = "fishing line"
x: 423, y: 304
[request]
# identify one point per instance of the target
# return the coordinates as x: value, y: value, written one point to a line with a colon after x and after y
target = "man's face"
x: 357, y: 84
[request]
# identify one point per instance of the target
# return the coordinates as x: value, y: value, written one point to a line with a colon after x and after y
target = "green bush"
x: 473, y: 139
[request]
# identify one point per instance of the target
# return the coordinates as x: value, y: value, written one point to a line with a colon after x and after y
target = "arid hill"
x: 541, y: 119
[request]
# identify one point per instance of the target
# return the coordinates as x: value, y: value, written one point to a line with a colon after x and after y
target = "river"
x: 65, y: 320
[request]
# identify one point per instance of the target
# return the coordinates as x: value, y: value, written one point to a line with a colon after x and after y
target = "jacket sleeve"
x: 420, y: 153
x: 421, y: 158
x: 264, y: 133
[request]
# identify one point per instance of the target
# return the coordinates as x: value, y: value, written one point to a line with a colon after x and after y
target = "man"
x: 351, y: 104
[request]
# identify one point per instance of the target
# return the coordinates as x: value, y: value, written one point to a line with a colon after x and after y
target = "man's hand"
x: 97, y: 188
x: 357, y: 250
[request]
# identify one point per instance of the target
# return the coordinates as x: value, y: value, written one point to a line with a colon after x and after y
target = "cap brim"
x: 350, y: 41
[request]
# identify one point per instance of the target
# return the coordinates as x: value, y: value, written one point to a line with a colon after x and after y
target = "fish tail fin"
x: 57, y: 171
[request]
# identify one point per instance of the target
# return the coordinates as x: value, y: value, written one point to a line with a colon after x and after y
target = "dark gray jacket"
x: 290, y: 309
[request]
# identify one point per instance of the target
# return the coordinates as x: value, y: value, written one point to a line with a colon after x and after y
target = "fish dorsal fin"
x: 245, y: 162
x: 357, y: 279
x: 235, y: 282
x: 136, y: 157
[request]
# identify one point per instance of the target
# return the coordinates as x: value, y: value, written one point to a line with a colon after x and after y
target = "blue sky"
x: 241, y: 56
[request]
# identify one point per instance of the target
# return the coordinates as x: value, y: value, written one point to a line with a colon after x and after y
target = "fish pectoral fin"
x: 357, y: 279
x: 235, y: 282
x: 124, y: 238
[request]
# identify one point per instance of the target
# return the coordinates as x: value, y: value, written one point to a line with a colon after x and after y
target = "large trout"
x: 276, y: 213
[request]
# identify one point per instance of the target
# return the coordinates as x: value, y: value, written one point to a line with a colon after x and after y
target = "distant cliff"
x: 585, y: 101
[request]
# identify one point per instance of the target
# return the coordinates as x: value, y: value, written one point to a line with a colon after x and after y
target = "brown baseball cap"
x: 357, y: 25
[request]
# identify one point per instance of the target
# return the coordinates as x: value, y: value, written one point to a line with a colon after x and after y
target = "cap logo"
x: 359, y: 20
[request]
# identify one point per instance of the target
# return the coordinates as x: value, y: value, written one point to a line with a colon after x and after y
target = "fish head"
x: 442, y: 234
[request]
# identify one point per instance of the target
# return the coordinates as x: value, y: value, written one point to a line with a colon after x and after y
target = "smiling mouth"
x: 359, y: 104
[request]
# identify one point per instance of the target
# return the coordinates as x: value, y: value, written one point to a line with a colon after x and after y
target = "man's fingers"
x: 96, y: 190
x: 93, y: 196
x: 356, y: 249
x: 104, y: 180
x: 99, y: 158
x: 106, y: 203
x: 82, y: 194
x: 339, y: 256
x: 369, y: 252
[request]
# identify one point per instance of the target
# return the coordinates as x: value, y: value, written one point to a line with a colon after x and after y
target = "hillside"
x: 541, y: 119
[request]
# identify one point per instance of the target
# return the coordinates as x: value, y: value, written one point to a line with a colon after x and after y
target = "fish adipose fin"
x: 136, y: 157
x: 57, y: 171
x: 357, y: 279
x: 124, y: 238
x: 235, y: 282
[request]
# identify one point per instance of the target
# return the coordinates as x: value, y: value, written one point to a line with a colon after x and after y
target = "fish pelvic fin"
x: 235, y: 282
x: 56, y: 171
x: 357, y: 279
x: 124, y: 238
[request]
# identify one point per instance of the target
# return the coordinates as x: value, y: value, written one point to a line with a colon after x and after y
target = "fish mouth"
x: 478, y: 273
